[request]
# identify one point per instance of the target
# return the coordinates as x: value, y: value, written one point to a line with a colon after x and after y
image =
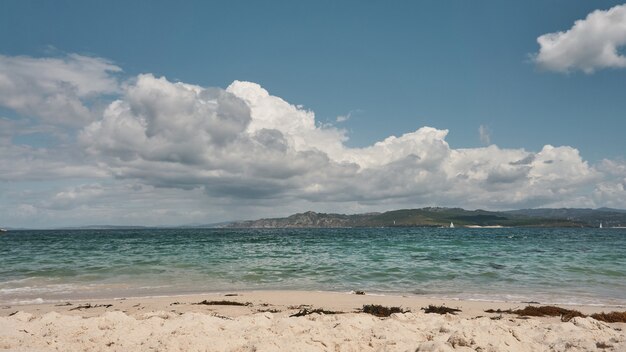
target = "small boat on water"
x: 3, y: 230
x: 451, y: 225
x: 600, y: 224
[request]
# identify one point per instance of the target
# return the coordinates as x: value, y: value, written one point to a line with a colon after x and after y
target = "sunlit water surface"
x: 546, y: 265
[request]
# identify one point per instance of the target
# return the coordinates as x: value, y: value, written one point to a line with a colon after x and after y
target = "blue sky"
x: 393, y: 67
x: 454, y: 65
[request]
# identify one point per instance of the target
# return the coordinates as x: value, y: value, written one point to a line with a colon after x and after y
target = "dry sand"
x: 176, y: 324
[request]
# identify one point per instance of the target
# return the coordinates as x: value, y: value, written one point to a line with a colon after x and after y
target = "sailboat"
x: 600, y: 224
x: 451, y: 225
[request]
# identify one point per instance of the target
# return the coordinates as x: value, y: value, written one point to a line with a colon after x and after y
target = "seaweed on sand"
x: 565, y: 314
x: 542, y: 311
x: 612, y: 317
x: 223, y: 303
x: 269, y: 310
x: 90, y: 306
x: 603, y: 345
x: 440, y: 310
x: 302, y: 306
x: 381, y: 311
x: 306, y: 311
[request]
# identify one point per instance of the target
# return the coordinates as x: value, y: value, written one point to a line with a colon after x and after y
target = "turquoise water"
x: 546, y: 265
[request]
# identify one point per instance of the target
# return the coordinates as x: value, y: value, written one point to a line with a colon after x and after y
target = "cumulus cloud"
x: 591, y: 44
x: 244, y: 143
x: 55, y: 89
x: 171, y: 152
x: 611, y: 192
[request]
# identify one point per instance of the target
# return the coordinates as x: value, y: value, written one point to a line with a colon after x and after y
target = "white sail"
x: 451, y: 225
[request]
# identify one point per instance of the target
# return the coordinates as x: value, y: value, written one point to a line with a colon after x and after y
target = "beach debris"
x: 508, y: 311
x: 231, y: 294
x: 382, y: 311
x: 270, y: 310
x: 175, y: 303
x: 534, y: 311
x: 223, y: 303
x: 440, y: 309
x: 302, y: 306
x: 565, y: 314
x: 12, y: 314
x: 63, y: 304
x: 90, y: 306
x: 603, y: 345
x: 222, y: 317
x: 612, y: 317
x: 359, y: 292
x: 541, y: 311
x: 306, y: 311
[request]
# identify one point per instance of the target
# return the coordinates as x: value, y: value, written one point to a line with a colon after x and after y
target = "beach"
x: 312, y: 176
x: 296, y: 289
x: 264, y: 322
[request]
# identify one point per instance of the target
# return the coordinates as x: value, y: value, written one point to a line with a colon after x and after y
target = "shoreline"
x: 478, y: 298
x: 264, y: 321
x: 334, y: 300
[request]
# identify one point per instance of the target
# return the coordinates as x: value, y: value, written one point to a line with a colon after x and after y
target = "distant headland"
x: 447, y: 217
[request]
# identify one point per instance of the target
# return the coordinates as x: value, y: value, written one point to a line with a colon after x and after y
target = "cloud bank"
x: 172, y: 152
x: 244, y: 143
x: 591, y: 44
x: 55, y: 89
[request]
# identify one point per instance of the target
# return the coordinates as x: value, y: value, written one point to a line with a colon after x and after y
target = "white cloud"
x: 110, y: 202
x: 591, y: 44
x: 21, y: 163
x: 165, y: 152
x: 55, y: 89
x: 346, y: 117
x: 74, y: 197
x: 611, y: 192
x: 243, y: 143
x: 484, y: 134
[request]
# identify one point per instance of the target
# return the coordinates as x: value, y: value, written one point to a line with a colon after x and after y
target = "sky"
x: 167, y: 113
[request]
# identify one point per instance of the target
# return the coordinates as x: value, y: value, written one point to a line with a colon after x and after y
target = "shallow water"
x: 547, y: 265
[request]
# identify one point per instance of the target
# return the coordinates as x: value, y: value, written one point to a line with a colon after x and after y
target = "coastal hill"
x: 438, y: 217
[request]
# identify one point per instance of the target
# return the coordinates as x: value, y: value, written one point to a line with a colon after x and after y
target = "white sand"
x: 157, y: 324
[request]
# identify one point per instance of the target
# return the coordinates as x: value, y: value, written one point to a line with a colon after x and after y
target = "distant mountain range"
x: 424, y: 217
x: 443, y: 217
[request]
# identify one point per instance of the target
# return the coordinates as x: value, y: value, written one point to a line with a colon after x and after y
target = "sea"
x: 545, y: 265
